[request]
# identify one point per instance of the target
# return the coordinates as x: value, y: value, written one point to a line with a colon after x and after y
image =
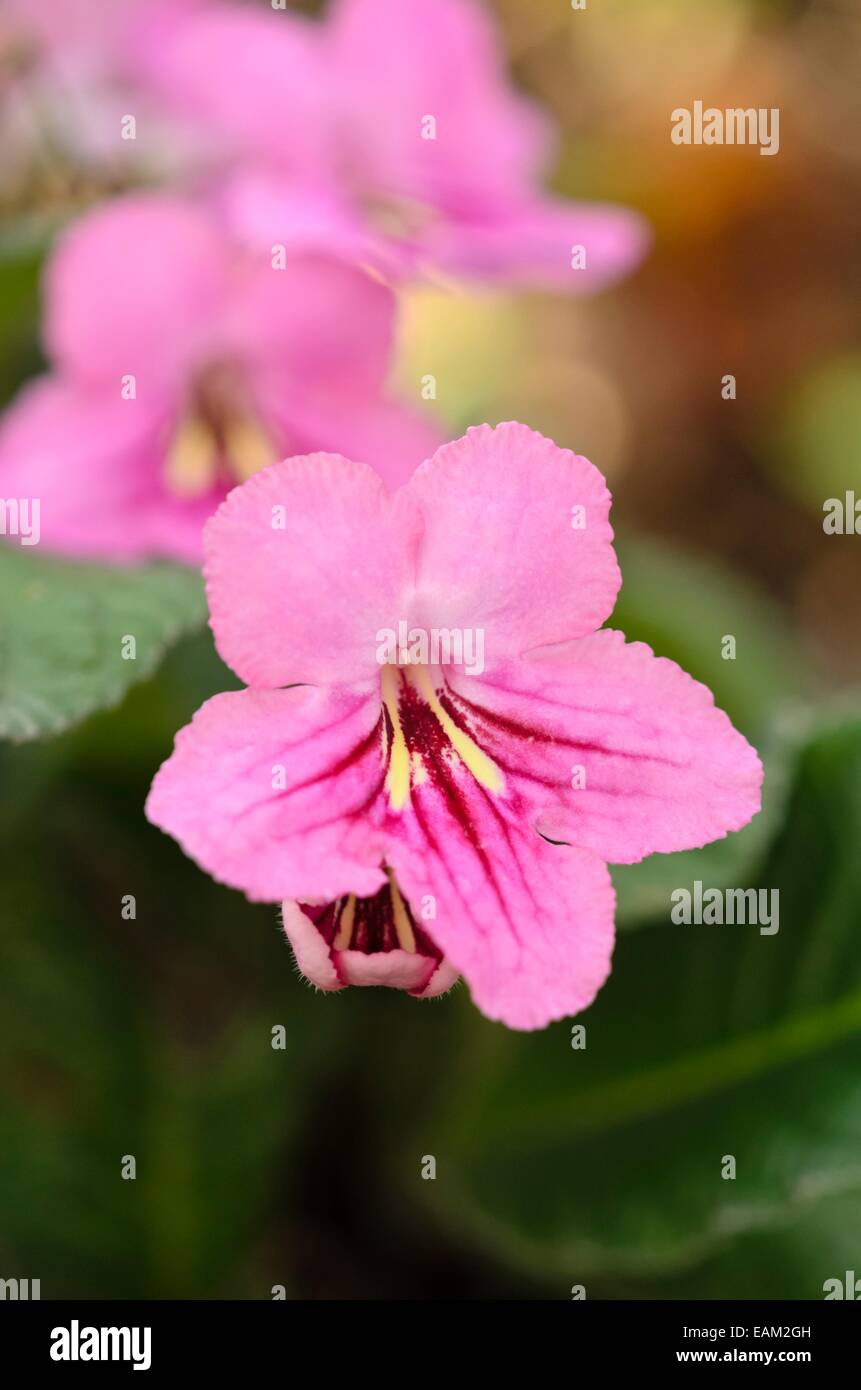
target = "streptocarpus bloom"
x: 67, y: 85
x: 389, y: 133
x: 451, y: 810
x: 181, y: 365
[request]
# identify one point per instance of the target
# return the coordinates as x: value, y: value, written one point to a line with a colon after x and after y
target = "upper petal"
x: 516, y: 540
x: 134, y: 287
x: 252, y: 81
x: 271, y: 791
x: 305, y: 563
x: 314, y: 324
x: 615, y: 749
x: 400, y: 62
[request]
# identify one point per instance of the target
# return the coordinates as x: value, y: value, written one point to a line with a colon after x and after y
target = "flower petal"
x: 313, y: 953
x: 528, y: 924
x: 398, y: 62
x: 394, y: 969
x: 290, y: 326
x: 385, y: 433
x: 534, y: 244
x: 501, y: 550
x: 133, y: 288
x: 265, y: 209
x: 664, y: 769
x: 271, y: 791
x: 322, y: 388
x: 330, y: 969
x: 304, y: 565
x: 95, y: 463
x: 253, y: 82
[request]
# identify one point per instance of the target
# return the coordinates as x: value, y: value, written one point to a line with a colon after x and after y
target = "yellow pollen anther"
x: 483, y: 768
x: 345, y: 926
x: 403, y: 926
x: 192, y: 459
x: 398, y: 775
x: 247, y: 446
x: 202, y: 447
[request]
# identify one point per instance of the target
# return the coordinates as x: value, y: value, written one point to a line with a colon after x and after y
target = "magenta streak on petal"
x: 536, y: 734
x: 506, y: 830
x: 425, y: 735
x: 350, y: 759
x: 354, y: 811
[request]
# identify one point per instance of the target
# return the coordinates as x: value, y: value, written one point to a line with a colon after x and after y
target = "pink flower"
x: 67, y: 81
x: 367, y: 941
x: 389, y: 133
x: 180, y: 367
x: 445, y: 808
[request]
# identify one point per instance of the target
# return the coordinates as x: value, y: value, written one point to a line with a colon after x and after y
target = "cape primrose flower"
x: 67, y: 84
x: 181, y: 365
x: 390, y: 133
x: 439, y: 752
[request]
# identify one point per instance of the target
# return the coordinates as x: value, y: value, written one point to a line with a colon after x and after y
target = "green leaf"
x: 19, y: 291
x: 706, y: 1041
x: 793, y: 1261
x: 63, y: 627
x: 148, y: 1036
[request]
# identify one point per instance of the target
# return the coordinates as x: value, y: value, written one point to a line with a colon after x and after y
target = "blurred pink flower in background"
x: 68, y: 78
x: 384, y: 138
x: 180, y: 365
x: 429, y: 808
x: 389, y: 134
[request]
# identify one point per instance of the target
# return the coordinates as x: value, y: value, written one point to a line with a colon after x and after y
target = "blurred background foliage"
x: 555, y: 1166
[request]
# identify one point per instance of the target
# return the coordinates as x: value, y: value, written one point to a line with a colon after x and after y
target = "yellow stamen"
x: 247, y: 446
x: 403, y: 926
x: 192, y: 459
x: 483, y: 768
x: 398, y: 775
x: 345, y: 926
